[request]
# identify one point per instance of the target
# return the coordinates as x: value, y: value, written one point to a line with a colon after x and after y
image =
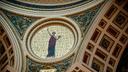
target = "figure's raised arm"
x: 49, y: 32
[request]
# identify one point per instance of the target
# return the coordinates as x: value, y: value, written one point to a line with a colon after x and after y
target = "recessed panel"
x: 102, y: 23
x: 101, y: 54
x: 113, y: 31
x: 90, y: 47
x: 117, y: 50
x: 111, y: 12
x: 120, y: 20
x: 96, y: 35
x: 109, y: 69
x: 123, y: 39
x: 97, y: 65
x: 106, y: 43
x: 86, y: 57
x: 112, y: 61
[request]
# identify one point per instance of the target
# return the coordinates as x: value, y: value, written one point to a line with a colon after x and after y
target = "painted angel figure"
x: 52, y: 43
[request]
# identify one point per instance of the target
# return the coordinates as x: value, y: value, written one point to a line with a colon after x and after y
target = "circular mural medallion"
x: 53, y: 38
x: 52, y: 41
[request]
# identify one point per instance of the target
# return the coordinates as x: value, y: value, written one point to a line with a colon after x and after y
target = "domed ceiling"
x: 48, y: 7
x: 48, y: 4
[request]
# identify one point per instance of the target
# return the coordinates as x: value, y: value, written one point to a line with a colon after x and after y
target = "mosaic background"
x: 60, y: 66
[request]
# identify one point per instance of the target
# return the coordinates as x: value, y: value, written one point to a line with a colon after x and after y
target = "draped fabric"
x: 51, y: 47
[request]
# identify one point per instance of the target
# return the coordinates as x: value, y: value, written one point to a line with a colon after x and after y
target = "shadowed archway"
x: 123, y: 63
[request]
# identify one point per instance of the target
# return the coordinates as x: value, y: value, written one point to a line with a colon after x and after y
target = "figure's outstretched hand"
x: 59, y: 36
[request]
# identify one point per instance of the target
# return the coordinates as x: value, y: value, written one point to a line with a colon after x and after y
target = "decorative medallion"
x: 53, y: 39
